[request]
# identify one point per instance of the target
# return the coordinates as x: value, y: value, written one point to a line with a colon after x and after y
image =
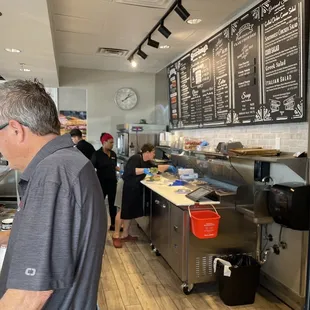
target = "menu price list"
x: 173, y: 96
x: 187, y: 109
x: 221, y: 63
x: 202, y: 83
x: 245, y: 44
x: 283, y: 91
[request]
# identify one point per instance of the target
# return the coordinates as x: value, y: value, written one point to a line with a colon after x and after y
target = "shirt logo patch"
x: 30, y: 272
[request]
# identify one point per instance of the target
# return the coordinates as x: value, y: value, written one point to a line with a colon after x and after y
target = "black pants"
x: 109, y: 189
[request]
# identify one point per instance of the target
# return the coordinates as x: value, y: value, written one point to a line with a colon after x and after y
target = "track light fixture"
x: 132, y: 61
x: 152, y: 43
x: 141, y: 54
x: 164, y: 30
x: 181, y: 11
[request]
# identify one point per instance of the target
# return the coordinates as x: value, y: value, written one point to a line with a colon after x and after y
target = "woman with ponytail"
x: 105, y: 162
x: 136, y: 169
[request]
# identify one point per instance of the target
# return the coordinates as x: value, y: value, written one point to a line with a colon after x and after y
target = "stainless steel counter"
x: 169, y: 231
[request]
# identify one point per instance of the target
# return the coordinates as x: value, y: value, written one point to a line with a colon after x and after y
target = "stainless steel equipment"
x: 244, y: 226
x: 7, y: 181
x: 136, y: 135
x: 192, y: 258
x: 8, y: 185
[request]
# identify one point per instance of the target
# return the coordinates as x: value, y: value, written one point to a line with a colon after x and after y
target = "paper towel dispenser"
x: 289, y: 205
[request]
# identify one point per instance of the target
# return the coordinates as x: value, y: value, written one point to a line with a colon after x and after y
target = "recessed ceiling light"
x: 23, y: 69
x: 194, y: 21
x: 164, y: 46
x: 133, y: 63
x: 12, y: 50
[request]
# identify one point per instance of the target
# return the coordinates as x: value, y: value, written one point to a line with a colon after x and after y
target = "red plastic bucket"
x: 204, y: 223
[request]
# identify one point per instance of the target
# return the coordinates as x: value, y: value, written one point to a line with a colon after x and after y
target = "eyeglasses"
x: 3, y: 126
x: 7, y: 124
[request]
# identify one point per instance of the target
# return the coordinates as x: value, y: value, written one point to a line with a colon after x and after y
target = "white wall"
x: 161, y: 98
x: 72, y: 99
x: 102, y: 113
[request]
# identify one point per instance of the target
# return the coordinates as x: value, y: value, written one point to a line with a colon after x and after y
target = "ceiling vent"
x: 107, y: 51
x: 157, y: 4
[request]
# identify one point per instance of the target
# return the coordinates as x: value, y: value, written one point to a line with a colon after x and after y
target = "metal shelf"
x: 297, y: 164
x: 282, y: 158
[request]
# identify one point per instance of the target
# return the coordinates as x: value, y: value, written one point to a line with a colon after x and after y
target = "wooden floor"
x: 134, y: 278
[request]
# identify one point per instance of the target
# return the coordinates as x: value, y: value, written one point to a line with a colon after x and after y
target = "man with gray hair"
x: 54, y: 251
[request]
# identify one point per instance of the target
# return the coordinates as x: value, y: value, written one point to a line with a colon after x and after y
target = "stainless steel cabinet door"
x: 160, y: 228
x: 177, y: 242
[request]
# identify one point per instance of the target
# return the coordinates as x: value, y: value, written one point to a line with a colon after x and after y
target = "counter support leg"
x: 258, y: 241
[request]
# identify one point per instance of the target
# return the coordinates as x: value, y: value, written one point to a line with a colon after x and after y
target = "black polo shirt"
x: 86, y: 148
x: 105, y: 165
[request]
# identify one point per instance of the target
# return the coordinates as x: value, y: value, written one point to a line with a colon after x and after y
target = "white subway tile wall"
x: 293, y: 136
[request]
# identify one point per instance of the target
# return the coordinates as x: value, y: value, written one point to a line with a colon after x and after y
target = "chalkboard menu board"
x: 283, y: 53
x: 251, y: 72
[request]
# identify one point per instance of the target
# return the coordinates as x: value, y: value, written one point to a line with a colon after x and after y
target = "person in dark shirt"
x: 137, y: 167
x: 105, y: 162
x: 85, y: 147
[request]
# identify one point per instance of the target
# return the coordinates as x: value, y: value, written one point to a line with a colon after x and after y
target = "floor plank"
x: 114, y: 300
x: 109, y: 281
x: 162, y: 297
x: 132, y: 247
x: 145, y: 296
x: 141, y: 262
x: 129, y: 262
x: 101, y: 297
x: 146, y: 250
x: 133, y: 308
x: 126, y: 290
x: 106, y: 266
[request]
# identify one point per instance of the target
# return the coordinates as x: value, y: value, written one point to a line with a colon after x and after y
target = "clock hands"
x: 127, y: 97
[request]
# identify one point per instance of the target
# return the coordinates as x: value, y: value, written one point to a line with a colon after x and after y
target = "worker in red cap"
x: 105, y: 162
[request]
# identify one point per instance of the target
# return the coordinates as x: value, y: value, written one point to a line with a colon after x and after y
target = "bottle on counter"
x: 132, y: 149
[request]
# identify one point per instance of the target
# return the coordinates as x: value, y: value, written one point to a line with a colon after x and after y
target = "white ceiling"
x: 80, y: 27
x: 25, y: 25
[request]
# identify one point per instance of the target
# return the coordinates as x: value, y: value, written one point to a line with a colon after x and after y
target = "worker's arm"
x: 163, y: 168
x: 140, y: 171
x: 21, y: 299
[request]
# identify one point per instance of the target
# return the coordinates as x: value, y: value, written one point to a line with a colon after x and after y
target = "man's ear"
x: 17, y: 130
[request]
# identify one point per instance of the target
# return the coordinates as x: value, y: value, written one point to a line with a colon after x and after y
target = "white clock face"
x: 126, y: 98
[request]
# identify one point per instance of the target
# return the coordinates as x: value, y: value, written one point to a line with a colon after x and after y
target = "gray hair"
x: 28, y: 103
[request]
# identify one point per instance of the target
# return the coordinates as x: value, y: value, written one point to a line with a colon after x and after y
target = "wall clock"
x: 126, y: 98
